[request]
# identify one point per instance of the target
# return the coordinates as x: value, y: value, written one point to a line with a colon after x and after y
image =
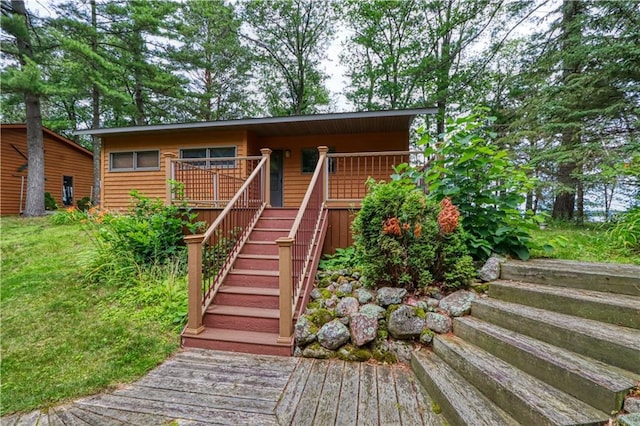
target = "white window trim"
x: 135, y: 161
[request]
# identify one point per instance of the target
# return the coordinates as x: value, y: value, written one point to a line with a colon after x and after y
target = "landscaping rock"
x: 331, y: 303
x: 345, y: 320
x: 404, y: 323
x: 632, y: 405
x: 402, y: 350
x: 363, y: 329
x: 333, y: 334
x: 629, y: 420
x: 347, y: 306
x: 363, y: 295
x: 373, y: 311
x: 382, y: 352
x: 354, y: 353
x: 319, y: 317
x: 316, y: 294
x: 433, y: 302
x: 458, y: 303
x: 304, y: 331
x: 390, y: 296
x: 438, y: 322
x: 314, y: 350
x: 345, y: 289
x: 490, y: 271
x: 426, y: 336
x: 297, y: 352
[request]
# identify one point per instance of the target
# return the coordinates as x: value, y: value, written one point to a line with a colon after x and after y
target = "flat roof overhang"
x: 335, y: 123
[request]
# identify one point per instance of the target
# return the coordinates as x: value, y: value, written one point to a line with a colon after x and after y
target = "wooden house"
x: 276, y: 192
x: 68, y: 168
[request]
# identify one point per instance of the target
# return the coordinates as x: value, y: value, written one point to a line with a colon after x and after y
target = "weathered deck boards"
x: 209, y: 387
x: 344, y: 393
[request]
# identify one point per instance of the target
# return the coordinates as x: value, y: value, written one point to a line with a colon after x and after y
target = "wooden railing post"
x: 266, y: 184
x: 323, y: 150
x: 285, y: 245
x: 194, y: 316
x: 168, y: 170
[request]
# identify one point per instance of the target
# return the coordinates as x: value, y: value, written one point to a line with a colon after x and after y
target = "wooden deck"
x: 209, y: 387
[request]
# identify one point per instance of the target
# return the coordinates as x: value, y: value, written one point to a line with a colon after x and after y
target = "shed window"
x: 310, y: 160
x: 134, y: 160
x: 211, y: 154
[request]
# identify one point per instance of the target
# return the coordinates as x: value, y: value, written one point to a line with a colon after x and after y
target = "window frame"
x: 135, y: 167
x: 332, y: 163
x: 232, y: 163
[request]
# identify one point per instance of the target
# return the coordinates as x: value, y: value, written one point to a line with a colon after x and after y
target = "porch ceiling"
x: 352, y: 122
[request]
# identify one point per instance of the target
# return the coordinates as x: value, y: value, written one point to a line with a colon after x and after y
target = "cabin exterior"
x: 276, y: 194
x: 68, y: 168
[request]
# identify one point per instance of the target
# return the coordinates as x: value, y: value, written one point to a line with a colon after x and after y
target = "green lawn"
x: 61, y: 337
x: 588, y: 243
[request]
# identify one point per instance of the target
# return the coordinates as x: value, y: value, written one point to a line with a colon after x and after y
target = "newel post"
x: 285, y: 245
x: 168, y: 170
x: 194, y: 316
x: 266, y: 182
x: 323, y: 151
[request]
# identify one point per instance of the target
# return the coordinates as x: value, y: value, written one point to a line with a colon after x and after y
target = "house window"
x: 134, y: 160
x: 211, y: 154
x: 310, y: 160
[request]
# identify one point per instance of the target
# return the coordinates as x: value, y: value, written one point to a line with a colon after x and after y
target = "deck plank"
x: 67, y: 418
x: 93, y: 419
x: 128, y: 417
x: 290, y: 398
x: 53, y: 419
x: 368, y: 401
x: 265, y: 382
x: 388, y: 404
x: 328, y: 404
x: 349, y: 395
x: 306, y: 411
x: 262, y: 362
x: 29, y: 419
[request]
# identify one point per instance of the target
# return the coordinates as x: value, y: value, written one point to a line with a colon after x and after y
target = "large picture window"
x: 211, y: 154
x: 310, y: 160
x: 134, y: 161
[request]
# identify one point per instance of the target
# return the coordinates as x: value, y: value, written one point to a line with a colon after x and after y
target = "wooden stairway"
x: 555, y: 343
x: 244, y: 315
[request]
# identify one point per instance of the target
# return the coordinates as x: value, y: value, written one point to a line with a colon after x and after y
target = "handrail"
x: 211, y: 255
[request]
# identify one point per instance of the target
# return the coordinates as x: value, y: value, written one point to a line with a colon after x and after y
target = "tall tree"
x: 25, y: 79
x: 290, y: 37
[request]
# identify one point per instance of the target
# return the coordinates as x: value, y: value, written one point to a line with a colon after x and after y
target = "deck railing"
x: 212, y: 254
x: 296, y: 249
x: 347, y: 173
x: 210, y: 182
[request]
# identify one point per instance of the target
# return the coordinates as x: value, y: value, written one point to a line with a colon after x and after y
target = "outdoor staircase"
x: 244, y: 315
x: 554, y: 343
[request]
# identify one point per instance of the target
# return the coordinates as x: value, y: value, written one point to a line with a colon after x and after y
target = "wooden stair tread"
x: 273, y: 229
x: 243, y: 311
x: 258, y: 256
x: 256, y: 291
x: 259, y: 272
x: 241, y: 336
x: 266, y: 243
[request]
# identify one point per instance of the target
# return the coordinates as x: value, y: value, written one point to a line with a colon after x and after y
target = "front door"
x: 277, y: 172
x: 67, y: 190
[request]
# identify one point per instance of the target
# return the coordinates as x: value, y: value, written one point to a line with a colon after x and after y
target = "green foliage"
x: 483, y: 182
x: 84, y: 204
x: 399, y: 242
x: 50, y: 202
x: 342, y: 259
x: 626, y: 231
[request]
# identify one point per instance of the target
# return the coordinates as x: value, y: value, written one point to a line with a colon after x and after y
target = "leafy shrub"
x: 50, y: 202
x: 84, y: 204
x: 626, y: 231
x: 341, y: 259
x: 480, y: 178
x: 404, y: 239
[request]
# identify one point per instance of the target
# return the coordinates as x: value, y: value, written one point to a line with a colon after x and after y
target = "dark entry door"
x: 277, y: 172
x: 67, y: 190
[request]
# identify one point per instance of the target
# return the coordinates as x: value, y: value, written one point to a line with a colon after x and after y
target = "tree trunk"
x: 35, y: 145
x: 95, y: 120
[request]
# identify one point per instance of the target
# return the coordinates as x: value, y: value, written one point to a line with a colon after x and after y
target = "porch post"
x: 266, y: 183
x: 194, y: 313
x: 285, y: 245
x: 323, y: 151
x: 168, y: 170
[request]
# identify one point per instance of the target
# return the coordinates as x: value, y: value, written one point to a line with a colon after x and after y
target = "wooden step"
x: 266, y: 262
x: 252, y: 278
x: 238, y: 341
x: 264, y: 234
x: 278, y: 212
x: 460, y: 402
x: 615, y: 345
x: 593, y: 382
x: 527, y: 399
x: 242, y: 318
x: 605, y: 277
x: 260, y: 247
x: 619, y: 309
x: 255, y: 297
x: 275, y: 223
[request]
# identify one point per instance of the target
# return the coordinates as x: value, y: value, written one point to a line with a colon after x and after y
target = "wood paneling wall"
x: 339, y: 230
x: 60, y: 159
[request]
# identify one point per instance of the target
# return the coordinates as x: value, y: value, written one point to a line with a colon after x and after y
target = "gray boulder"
x: 345, y: 288
x: 316, y: 351
x: 402, y: 350
x: 490, y: 271
x: 404, y: 323
x: 390, y: 296
x: 458, y: 303
x: 333, y: 334
x: 632, y: 419
x: 304, y: 331
x: 426, y: 336
x: 438, y: 322
x: 632, y: 405
x: 363, y: 295
x: 363, y: 329
x: 316, y: 294
x: 373, y: 311
x: 347, y: 306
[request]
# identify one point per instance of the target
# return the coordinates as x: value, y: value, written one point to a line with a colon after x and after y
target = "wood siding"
x: 339, y: 230
x: 61, y: 158
x: 117, y: 185
x: 296, y: 182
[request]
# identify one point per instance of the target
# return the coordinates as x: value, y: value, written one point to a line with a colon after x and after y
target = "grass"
x: 62, y: 337
x: 587, y: 243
